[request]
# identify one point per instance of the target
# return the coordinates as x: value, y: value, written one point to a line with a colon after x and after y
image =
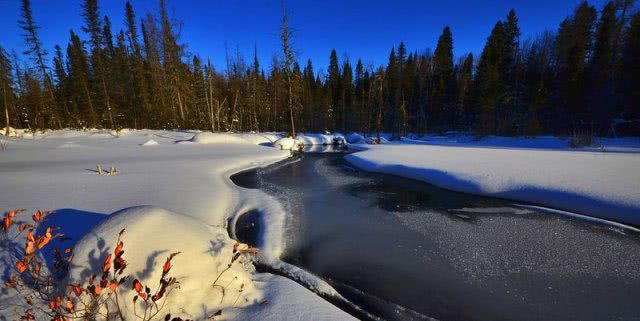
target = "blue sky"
x: 358, y: 28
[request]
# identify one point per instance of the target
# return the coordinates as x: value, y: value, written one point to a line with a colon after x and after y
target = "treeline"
x: 580, y: 78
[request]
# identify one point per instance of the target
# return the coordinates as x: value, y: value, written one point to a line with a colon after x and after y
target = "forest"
x: 582, y: 77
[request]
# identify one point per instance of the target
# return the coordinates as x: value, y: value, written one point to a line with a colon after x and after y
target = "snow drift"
x: 605, y: 185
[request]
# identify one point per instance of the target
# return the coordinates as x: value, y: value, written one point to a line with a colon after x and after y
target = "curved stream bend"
x: 406, y: 250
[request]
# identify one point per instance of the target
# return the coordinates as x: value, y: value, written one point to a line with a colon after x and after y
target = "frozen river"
x: 406, y: 250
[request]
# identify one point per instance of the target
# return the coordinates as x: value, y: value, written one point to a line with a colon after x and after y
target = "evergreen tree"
x: 79, y: 83
x: 573, y: 47
x: 490, y: 85
x: 347, y: 96
x: 442, y: 107
x: 6, y: 81
x: 629, y: 76
x: 288, y: 62
x: 464, y: 97
x: 333, y: 89
x: 46, y: 113
x: 600, y: 106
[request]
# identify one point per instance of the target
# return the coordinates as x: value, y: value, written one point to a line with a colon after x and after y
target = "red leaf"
x: 167, y: 267
x: 37, y: 216
x: 6, y: 223
x: 118, y: 249
x: 77, y: 290
x: 113, y: 285
x: 69, y: 305
x: 107, y: 264
x: 21, y: 266
x: 137, y: 285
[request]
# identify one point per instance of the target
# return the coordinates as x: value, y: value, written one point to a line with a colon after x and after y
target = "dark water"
x: 405, y: 250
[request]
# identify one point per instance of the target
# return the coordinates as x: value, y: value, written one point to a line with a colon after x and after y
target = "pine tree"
x: 288, y: 62
x: 6, y: 81
x: 61, y: 79
x: 93, y: 27
x: 600, y: 78
x: 511, y: 111
x: 464, y: 86
x: 490, y: 85
x: 360, y: 100
x: 392, y: 95
x: 629, y: 79
x: 46, y: 113
x: 333, y: 89
x: 443, y: 77
x: 172, y: 53
x: 573, y: 46
x: 78, y: 78
x: 347, y: 96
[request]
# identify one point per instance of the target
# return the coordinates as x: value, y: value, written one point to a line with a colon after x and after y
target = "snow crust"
x: 600, y: 184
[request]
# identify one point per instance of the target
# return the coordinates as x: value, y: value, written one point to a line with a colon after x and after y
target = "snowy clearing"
x: 600, y: 184
x: 191, y: 197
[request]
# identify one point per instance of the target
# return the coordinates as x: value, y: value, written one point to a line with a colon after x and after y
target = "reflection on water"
x: 406, y: 250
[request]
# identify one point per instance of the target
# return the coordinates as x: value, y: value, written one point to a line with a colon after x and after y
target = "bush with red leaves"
x: 43, y: 294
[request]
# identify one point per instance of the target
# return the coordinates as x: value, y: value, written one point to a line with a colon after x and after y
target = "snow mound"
x: 375, y: 141
x: 151, y: 235
x: 121, y: 132
x: 355, y: 138
x: 315, y: 139
x: 150, y: 142
x: 259, y: 138
x: 15, y: 132
x: 218, y: 138
x: 12, y: 132
x: 69, y: 145
x: 288, y: 143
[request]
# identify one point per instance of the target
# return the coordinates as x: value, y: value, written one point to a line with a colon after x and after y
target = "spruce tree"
x: 6, y: 81
x: 81, y: 97
x: 629, y: 79
x: 46, y: 113
x: 600, y: 78
x: 573, y: 46
x: 490, y: 84
x: 288, y: 62
x: 347, y: 96
x: 443, y: 76
x: 333, y: 89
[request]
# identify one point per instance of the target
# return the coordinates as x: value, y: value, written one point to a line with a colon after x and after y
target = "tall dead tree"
x: 289, y: 60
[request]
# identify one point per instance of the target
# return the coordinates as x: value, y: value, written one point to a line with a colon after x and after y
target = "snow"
x: 600, y: 184
x: 625, y: 144
x: 150, y: 142
x: 354, y: 138
x: 309, y: 139
x: 190, y: 199
x: 151, y: 235
x: 288, y: 143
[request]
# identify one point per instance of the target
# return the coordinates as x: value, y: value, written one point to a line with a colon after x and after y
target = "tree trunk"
x: 106, y: 97
x: 293, y: 127
x: 6, y: 110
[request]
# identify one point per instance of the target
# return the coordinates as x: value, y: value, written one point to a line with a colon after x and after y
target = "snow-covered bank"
x: 605, y: 185
x: 603, y: 144
x: 187, y: 184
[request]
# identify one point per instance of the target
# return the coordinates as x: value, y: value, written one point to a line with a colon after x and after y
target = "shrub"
x: 582, y: 139
x: 44, y: 295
